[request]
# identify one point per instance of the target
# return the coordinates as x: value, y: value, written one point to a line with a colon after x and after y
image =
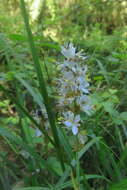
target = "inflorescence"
x: 73, y: 88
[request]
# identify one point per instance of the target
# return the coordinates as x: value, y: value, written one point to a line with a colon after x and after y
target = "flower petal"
x: 68, y: 52
x: 77, y: 118
x: 74, y: 130
x: 71, y: 115
x: 38, y: 133
x: 68, y: 123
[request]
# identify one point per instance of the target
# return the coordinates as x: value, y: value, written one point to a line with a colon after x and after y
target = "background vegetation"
x: 57, y: 159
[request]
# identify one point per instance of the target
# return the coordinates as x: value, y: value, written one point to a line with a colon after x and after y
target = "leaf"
x: 88, y: 146
x: 94, y: 176
x: 108, y: 106
x: 103, y: 71
x: 119, y: 186
x: 36, y: 95
x: 123, y: 116
x: 53, y: 162
x: 17, y: 37
x: 42, y: 84
x: 32, y: 188
x: 64, y: 142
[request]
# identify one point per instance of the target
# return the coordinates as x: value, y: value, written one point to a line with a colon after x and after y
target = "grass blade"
x: 104, y: 72
x: 42, y: 84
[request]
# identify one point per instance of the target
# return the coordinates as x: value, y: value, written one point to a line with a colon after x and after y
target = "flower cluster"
x: 73, y: 87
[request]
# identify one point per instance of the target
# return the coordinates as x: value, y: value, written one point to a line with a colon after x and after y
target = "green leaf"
x: 123, y: 116
x: 35, y: 94
x: 88, y: 146
x: 17, y: 37
x: 109, y: 107
x: 119, y: 186
x: 53, y: 162
x: 32, y: 188
x: 65, y: 143
x: 103, y: 71
x: 42, y: 84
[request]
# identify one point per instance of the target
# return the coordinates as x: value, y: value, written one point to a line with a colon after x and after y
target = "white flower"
x: 83, y: 84
x: 38, y: 133
x: 86, y: 108
x: 68, y: 52
x: 68, y: 64
x: 36, y: 171
x: 68, y: 75
x: 72, y: 121
x: 65, y: 101
x: 84, y: 103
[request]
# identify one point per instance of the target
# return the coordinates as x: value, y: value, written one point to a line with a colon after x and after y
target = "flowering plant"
x: 73, y: 88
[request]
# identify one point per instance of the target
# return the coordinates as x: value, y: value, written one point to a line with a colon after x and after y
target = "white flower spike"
x: 73, y: 87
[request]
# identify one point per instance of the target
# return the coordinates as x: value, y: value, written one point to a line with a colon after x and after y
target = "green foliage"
x: 120, y: 186
x: 55, y: 159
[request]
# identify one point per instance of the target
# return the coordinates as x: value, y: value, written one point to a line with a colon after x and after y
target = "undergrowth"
x: 63, y: 114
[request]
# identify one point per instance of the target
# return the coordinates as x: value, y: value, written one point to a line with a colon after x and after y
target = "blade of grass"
x: 64, y: 142
x: 4, y: 179
x: 107, y: 158
x: 103, y: 70
x: 36, y: 96
x: 87, y: 146
x: 42, y: 84
x: 32, y: 188
x: 122, y: 160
